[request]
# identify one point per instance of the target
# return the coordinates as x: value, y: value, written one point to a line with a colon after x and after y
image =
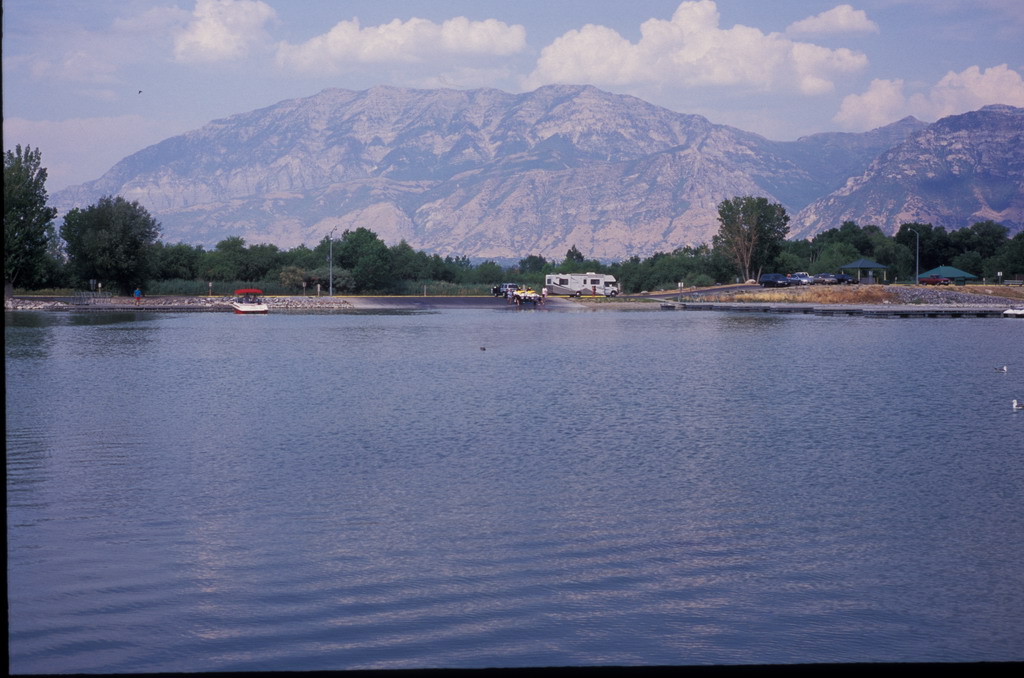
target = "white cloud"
x: 972, y: 89
x: 462, y: 36
x: 886, y: 101
x: 691, y: 49
x: 223, y: 30
x: 881, y: 104
x: 840, y: 19
x: 415, y: 40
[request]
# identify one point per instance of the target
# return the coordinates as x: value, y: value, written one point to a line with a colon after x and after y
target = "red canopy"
x: 249, y: 291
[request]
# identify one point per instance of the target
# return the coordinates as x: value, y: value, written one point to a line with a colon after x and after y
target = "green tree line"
x: 117, y: 243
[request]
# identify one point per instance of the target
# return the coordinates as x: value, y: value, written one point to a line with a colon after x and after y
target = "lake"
x: 503, y: 488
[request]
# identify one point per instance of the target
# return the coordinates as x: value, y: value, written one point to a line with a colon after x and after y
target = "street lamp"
x: 330, y: 271
x: 917, y: 256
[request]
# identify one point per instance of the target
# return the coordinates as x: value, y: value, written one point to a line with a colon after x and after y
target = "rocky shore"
x: 305, y: 304
x: 981, y: 296
x: 942, y: 296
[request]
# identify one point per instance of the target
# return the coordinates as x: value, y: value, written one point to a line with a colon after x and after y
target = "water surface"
x: 203, y: 492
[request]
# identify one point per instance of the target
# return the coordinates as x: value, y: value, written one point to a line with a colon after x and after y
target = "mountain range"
x: 489, y: 174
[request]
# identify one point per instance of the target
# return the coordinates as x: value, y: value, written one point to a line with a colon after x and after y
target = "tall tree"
x: 28, y: 222
x: 533, y: 263
x: 983, y: 237
x: 261, y: 261
x: 180, y: 261
x: 935, y: 246
x: 226, y: 261
x: 407, y: 263
x: 367, y: 257
x: 1009, y: 260
x: 751, y: 232
x: 488, y: 272
x: 111, y: 241
x: 573, y: 257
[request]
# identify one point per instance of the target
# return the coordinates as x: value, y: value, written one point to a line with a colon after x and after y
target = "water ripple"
x: 689, y: 489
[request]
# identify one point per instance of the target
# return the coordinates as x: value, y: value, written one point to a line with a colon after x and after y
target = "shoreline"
x: 337, y: 304
x: 915, y: 300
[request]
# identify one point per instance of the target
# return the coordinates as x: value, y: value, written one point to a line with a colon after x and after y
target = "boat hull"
x: 250, y: 309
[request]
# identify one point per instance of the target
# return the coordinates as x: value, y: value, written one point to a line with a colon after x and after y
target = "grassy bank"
x: 874, y: 294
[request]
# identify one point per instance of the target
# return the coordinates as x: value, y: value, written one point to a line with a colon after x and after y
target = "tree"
x: 407, y: 263
x: 303, y: 257
x: 367, y: 257
x: 790, y: 262
x: 226, y: 261
x: 28, y: 222
x: 899, y: 258
x: 260, y: 261
x: 111, y: 241
x: 834, y: 255
x: 573, y: 257
x: 180, y: 261
x: 800, y: 254
x: 533, y: 263
x: 971, y: 262
x: 1009, y: 260
x: 984, y: 237
x: 936, y: 248
x: 292, y: 276
x: 751, y: 233
x: 489, y: 272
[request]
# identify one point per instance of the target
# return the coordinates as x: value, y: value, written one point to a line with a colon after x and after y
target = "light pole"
x: 917, y: 256
x: 330, y: 270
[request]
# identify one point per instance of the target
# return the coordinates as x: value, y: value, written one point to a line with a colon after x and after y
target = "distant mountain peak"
x: 959, y: 170
x: 487, y: 173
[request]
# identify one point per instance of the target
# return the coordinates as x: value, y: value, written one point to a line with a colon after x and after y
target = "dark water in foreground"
x: 207, y: 492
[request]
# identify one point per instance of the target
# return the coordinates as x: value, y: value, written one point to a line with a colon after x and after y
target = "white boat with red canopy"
x: 249, y: 301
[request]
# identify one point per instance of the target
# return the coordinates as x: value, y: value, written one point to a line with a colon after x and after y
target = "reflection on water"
x: 202, y: 492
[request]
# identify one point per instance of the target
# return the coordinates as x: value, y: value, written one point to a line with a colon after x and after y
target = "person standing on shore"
x: 138, y: 296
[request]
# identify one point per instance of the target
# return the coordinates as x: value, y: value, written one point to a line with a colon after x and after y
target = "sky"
x: 92, y: 81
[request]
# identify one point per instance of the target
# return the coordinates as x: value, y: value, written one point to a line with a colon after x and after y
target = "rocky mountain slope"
x: 482, y: 173
x: 960, y: 170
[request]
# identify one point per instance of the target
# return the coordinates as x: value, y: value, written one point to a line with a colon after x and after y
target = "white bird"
x: 1001, y: 369
x: 1018, y: 406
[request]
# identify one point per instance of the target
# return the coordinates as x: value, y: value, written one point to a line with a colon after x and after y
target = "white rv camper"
x: 581, y: 284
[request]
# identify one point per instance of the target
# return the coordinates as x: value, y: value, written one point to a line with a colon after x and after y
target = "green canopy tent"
x: 865, y: 265
x: 954, y: 274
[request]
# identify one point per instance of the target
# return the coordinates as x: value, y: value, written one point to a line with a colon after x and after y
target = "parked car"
x: 504, y: 289
x: 824, y: 279
x: 843, y: 279
x: 801, y: 278
x: 934, y: 280
x: 773, y: 280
